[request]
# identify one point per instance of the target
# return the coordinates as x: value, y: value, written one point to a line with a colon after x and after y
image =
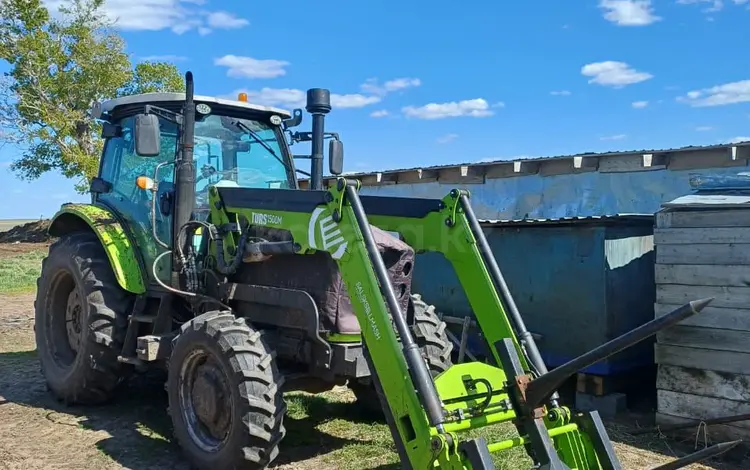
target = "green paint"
x: 456, y: 242
x: 118, y: 246
x: 343, y: 338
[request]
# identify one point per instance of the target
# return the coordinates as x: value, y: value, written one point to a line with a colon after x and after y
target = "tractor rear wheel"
x: 80, y: 320
x: 428, y: 332
x: 225, y: 395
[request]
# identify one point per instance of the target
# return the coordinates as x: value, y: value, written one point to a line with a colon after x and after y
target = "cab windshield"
x: 239, y: 152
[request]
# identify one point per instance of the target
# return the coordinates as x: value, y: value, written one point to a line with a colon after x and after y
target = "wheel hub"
x: 210, y: 400
x: 74, y: 320
x: 205, y: 400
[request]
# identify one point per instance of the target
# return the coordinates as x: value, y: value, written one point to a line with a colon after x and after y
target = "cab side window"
x: 122, y: 166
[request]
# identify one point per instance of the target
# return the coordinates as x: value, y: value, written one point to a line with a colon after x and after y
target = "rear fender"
x: 118, y: 246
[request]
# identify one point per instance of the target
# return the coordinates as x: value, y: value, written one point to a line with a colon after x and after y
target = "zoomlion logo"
x: 324, y: 234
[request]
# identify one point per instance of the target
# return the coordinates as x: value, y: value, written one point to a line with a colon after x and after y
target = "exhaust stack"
x: 318, y: 104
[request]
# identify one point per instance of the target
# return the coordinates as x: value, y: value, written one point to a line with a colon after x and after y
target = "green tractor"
x: 200, y: 254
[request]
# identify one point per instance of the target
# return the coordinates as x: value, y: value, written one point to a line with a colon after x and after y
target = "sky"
x: 422, y: 84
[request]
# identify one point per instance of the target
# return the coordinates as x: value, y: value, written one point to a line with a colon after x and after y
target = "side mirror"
x: 147, y: 135
x: 336, y: 157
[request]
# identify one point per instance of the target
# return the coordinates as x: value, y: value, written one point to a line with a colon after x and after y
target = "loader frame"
x: 426, y: 417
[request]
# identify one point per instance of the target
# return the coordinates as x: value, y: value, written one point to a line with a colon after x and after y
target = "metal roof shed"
x: 578, y: 282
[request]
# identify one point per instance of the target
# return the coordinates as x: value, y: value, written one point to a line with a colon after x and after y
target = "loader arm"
x: 426, y: 416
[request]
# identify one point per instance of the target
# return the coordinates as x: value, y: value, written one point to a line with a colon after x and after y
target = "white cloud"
x: 719, y: 95
x: 613, y: 137
x: 354, y: 100
x: 613, y: 73
x: 179, y: 16
x: 639, y: 104
x: 704, y: 128
x: 737, y: 140
x: 477, y: 107
x: 225, y: 20
x: 447, y: 138
x: 560, y: 93
x: 629, y: 12
x: 248, y: 67
x: 294, y: 98
x: 372, y: 86
x: 716, y: 5
x: 164, y: 58
x: 379, y: 113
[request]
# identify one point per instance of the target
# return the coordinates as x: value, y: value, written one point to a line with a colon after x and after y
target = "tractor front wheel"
x: 428, y: 332
x: 225, y: 395
x: 80, y: 320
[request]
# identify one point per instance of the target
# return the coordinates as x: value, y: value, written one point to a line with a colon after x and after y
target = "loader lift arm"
x: 426, y: 416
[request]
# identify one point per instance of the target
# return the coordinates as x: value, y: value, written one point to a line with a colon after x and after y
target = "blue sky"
x: 418, y: 84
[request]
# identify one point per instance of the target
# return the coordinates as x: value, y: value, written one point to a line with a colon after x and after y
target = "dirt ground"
x: 40, y: 433
x: 12, y: 249
x: 37, y: 432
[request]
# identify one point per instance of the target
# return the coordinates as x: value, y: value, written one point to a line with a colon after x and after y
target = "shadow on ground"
x: 139, y: 427
x: 138, y: 422
x: 642, y: 404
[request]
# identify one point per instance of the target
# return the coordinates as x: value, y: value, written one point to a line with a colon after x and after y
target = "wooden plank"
x: 711, y: 317
x: 599, y: 385
x: 713, y: 201
x: 703, y: 158
x: 707, y: 383
x: 703, y: 218
x: 629, y: 163
x: 714, y: 433
x: 417, y: 176
x: 727, y: 297
x: 706, y: 338
x: 719, y: 361
x: 703, y: 274
x: 463, y: 174
x: 695, y: 235
x: 686, y: 405
x: 723, y: 253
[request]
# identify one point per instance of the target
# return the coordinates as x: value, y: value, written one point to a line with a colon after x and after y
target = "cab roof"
x: 109, y: 105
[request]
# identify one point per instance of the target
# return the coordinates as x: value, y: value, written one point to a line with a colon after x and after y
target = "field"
x: 7, y: 224
x: 326, y: 431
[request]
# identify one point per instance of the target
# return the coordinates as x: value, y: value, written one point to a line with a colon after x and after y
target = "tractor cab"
x: 236, y: 144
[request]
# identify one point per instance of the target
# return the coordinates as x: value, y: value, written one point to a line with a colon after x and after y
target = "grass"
x: 347, y: 440
x: 18, y: 273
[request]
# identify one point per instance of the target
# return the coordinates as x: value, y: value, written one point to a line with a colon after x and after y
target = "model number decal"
x: 368, y: 310
x: 266, y: 219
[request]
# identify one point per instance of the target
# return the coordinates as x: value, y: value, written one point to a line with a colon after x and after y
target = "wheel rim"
x: 65, y: 319
x: 74, y: 320
x: 205, y: 400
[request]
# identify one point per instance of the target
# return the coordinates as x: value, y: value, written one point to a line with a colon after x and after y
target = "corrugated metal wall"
x: 578, y: 283
x: 577, y: 195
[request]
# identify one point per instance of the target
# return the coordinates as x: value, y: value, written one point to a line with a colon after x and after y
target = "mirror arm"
x: 163, y: 113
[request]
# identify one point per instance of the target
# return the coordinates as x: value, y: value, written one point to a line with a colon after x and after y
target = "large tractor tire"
x: 225, y: 395
x: 428, y: 332
x: 80, y: 320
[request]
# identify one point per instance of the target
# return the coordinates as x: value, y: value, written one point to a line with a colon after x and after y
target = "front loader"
x: 242, y: 286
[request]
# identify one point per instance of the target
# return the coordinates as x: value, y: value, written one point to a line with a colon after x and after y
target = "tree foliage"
x: 59, y: 65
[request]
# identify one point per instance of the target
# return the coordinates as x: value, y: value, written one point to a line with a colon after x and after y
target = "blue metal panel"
x: 560, y: 279
x: 583, y: 194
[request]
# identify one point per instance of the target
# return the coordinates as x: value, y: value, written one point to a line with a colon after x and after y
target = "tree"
x: 60, y: 65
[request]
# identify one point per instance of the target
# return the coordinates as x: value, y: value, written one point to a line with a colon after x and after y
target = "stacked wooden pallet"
x: 703, y: 250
